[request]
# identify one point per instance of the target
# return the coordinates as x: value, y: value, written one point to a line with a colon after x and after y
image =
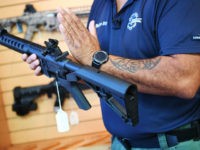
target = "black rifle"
x: 55, y: 64
x: 24, y: 98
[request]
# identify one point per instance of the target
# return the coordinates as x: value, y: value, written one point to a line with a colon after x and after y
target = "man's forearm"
x: 163, y: 75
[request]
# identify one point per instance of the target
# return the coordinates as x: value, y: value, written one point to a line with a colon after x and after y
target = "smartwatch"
x: 99, y: 58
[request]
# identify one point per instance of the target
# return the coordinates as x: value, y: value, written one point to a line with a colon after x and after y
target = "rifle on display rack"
x: 24, y: 98
x: 34, y: 20
x: 119, y: 95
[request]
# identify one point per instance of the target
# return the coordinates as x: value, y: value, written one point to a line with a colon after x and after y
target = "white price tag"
x: 62, y: 121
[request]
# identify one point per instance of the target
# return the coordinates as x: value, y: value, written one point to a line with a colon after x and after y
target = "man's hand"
x: 82, y: 43
x: 33, y: 62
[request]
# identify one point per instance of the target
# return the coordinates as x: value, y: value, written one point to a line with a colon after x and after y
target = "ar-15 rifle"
x: 24, y: 98
x: 34, y: 20
x: 55, y: 64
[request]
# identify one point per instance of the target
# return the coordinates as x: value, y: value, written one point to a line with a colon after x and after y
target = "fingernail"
x: 34, y: 56
x: 24, y: 57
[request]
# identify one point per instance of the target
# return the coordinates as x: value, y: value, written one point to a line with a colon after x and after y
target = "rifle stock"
x: 55, y: 64
x: 24, y: 97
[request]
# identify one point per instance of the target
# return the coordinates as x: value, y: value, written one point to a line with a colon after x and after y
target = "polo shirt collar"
x: 129, y: 2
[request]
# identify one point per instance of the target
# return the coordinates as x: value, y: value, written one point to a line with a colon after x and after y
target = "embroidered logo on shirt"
x: 103, y: 23
x: 196, y: 37
x: 133, y: 21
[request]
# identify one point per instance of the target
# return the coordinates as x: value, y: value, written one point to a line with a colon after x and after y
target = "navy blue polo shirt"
x: 146, y: 29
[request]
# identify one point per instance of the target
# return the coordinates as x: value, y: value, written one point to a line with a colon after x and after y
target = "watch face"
x: 100, y: 56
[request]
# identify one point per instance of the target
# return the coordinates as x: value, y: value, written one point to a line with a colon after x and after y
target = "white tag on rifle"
x: 73, y: 118
x: 61, y: 116
x: 62, y: 121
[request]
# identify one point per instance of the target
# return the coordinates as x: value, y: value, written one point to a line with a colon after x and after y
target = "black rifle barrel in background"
x: 55, y: 64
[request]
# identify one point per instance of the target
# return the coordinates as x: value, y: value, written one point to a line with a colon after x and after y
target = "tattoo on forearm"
x: 135, y: 65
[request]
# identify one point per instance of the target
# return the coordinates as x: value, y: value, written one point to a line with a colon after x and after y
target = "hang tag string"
x: 58, y: 93
x: 61, y: 116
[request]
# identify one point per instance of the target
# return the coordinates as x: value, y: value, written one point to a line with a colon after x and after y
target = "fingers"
x: 66, y: 30
x: 34, y: 63
x: 71, y: 19
x: 66, y: 21
x: 67, y: 37
x: 38, y: 71
x: 29, y: 59
x: 76, y: 21
x: 24, y: 57
x: 71, y: 25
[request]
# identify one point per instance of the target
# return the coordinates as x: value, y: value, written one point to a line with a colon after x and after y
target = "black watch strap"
x: 96, y: 64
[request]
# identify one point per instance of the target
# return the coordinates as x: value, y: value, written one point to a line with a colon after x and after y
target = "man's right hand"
x: 33, y: 62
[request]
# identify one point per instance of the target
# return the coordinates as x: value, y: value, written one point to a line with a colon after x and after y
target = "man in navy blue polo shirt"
x: 154, y: 44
